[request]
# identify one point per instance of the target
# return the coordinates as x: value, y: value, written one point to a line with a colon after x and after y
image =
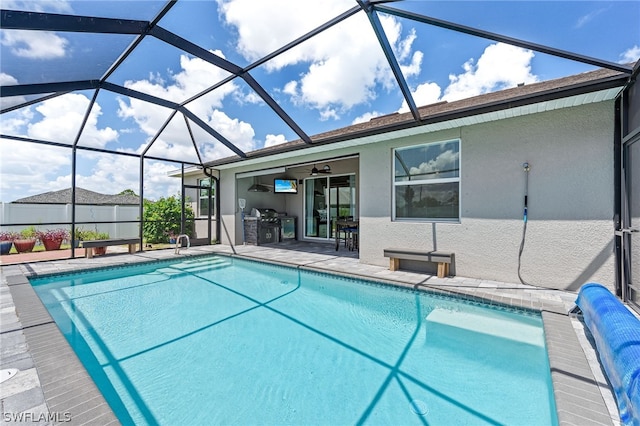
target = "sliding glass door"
x: 326, y: 199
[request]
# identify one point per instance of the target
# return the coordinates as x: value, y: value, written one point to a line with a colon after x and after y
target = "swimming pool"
x: 220, y: 340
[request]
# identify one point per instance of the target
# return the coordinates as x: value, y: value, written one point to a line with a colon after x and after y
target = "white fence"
x: 41, y: 215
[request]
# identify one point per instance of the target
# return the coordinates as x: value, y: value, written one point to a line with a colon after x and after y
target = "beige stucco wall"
x: 570, y: 231
x: 569, y: 238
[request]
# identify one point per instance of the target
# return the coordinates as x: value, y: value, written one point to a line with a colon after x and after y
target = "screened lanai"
x: 122, y: 96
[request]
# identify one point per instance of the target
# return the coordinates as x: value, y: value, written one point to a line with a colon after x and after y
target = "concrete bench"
x: 443, y: 259
x: 91, y: 244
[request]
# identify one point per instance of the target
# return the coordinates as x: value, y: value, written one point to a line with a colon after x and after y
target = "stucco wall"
x: 569, y: 238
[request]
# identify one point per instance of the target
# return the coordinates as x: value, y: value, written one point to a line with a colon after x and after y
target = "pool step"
x: 494, y: 325
x: 184, y: 268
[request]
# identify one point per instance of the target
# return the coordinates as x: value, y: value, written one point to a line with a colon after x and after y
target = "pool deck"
x: 52, y: 386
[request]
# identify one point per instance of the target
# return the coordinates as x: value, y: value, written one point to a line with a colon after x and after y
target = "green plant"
x: 101, y: 236
x: 162, y: 218
x: 82, y: 234
x: 28, y: 233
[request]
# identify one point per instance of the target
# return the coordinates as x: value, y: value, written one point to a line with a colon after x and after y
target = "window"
x: 426, y: 182
x: 203, y: 197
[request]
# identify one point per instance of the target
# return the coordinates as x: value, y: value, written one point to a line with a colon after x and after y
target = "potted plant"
x: 52, y: 238
x: 82, y: 235
x: 6, y: 241
x: 25, y: 242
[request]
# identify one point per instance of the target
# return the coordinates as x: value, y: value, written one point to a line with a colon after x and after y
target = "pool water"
x: 220, y: 340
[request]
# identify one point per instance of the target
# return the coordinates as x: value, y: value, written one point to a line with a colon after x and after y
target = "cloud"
x: 194, y: 77
x: 337, y: 75
x: 61, y: 119
x: 446, y: 160
x: 425, y: 94
x: 585, y: 19
x: 630, y: 55
x: 57, y: 6
x: 499, y: 67
x: 9, y: 80
x: 56, y: 120
x: 273, y: 140
x: 367, y: 116
x: 39, y: 45
x: 22, y: 168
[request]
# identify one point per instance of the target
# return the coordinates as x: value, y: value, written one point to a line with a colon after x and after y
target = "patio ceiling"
x: 111, y: 45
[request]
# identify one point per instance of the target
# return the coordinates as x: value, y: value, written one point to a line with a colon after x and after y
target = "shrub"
x: 28, y: 233
x: 162, y: 218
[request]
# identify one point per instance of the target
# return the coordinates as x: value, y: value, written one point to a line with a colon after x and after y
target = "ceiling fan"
x: 326, y: 170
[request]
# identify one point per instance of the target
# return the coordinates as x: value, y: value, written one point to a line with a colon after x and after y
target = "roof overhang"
x: 595, y: 91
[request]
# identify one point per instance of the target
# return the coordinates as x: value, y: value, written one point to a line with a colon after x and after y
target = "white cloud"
x: 7, y: 80
x: 367, y: 116
x: 273, y: 140
x: 56, y: 120
x: 195, y: 76
x: 6, y: 102
x: 58, y: 6
x: 343, y: 65
x: 630, y: 55
x: 34, y: 44
x: 444, y: 161
x: 61, y: 119
x: 585, y: 19
x: 499, y: 67
x: 24, y: 171
x: 425, y: 94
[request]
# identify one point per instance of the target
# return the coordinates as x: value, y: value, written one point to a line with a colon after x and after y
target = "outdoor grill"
x: 268, y: 225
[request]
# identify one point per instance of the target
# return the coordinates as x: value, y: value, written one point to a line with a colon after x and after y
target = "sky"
x: 337, y: 78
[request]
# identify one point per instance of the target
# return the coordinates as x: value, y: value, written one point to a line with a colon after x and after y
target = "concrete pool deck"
x: 53, y: 387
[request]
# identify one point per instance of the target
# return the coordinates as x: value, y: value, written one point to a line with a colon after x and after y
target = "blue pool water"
x: 219, y: 340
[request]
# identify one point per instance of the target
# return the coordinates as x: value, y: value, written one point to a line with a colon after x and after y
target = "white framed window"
x: 203, y: 198
x: 426, y: 182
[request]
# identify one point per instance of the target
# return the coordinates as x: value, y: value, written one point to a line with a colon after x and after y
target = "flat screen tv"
x: 285, y: 186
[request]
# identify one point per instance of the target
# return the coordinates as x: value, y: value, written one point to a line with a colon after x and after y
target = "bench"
x: 443, y: 259
x: 91, y: 244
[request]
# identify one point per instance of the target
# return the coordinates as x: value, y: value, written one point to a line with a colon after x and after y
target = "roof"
x: 83, y: 196
x: 599, y: 80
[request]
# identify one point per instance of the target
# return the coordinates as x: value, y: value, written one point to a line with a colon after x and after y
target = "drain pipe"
x: 527, y: 168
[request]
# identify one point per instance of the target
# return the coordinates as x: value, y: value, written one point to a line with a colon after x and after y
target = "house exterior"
x: 458, y: 181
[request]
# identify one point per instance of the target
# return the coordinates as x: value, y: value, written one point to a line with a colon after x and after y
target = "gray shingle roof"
x: 442, y: 111
x: 83, y: 196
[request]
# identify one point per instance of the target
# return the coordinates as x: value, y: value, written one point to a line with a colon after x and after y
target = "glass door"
x: 326, y: 199
x: 315, y: 204
x: 631, y: 221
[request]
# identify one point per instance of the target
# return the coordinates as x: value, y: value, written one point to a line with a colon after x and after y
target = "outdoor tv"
x: 285, y: 186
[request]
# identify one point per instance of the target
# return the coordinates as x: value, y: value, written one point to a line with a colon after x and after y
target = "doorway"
x: 327, y: 198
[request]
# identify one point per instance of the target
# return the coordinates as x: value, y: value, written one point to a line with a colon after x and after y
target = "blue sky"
x: 333, y: 80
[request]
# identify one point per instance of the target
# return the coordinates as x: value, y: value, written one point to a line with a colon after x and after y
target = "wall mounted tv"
x: 285, y: 186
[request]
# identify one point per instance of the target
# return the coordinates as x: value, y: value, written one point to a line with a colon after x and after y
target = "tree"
x: 162, y: 218
x: 128, y: 192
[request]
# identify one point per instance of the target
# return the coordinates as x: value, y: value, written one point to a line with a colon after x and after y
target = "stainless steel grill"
x: 268, y: 225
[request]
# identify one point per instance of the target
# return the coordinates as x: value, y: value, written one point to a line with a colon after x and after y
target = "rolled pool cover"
x: 616, y: 332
